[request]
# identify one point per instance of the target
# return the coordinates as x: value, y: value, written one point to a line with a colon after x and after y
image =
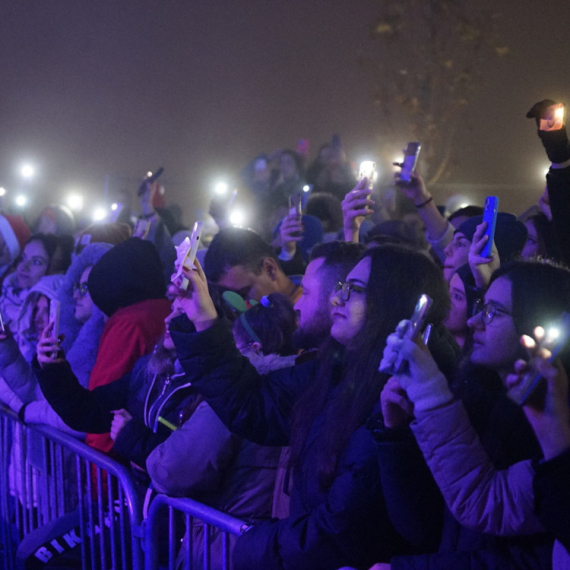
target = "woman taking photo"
x: 337, y: 514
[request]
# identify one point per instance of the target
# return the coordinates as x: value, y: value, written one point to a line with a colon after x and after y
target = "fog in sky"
x: 107, y: 88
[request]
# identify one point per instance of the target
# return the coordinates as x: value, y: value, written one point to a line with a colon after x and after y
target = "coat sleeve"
x: 414, y: 502
x: 552, y: 491
x: 194, y: 458
x: 136, y: 441
x: 81, y: 409
x: 558, y: 183
x: 338, y: 532
x: 479, y: 496
x: 256, y: 407
x: 17, y: 373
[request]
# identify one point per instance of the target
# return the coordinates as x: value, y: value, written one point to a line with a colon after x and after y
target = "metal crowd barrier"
x: 207, y: 541
x: 80, y: 502
x: 62, y: 497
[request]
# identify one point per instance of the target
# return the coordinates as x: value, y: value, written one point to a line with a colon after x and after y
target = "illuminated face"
x: 456, y: 321
x: 313, y: 309
x: 83, y: 302
x: 456, y: 255
x: 41, y: 314
x: 349, y: 316
x: 33, y: 264
x: 247, y: 284
x: 496, y: 344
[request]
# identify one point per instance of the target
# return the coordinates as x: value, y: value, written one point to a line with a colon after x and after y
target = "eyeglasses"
x: 81, y: 289
x: 489, y: 311
x: 346, y: 289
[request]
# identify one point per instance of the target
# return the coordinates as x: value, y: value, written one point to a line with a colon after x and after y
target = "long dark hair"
x: 348, y: 382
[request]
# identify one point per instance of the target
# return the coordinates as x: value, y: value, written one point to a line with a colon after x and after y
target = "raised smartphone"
x: 555, y: 339
x: 490, y: 212
x: 142, y: 228
x: 368, y: 169
x: 414, y: 329
x: 149, y: 180
x: 54, y: 310
x: 188, y: 261
x: 554, y: 118
x: 411, y: 155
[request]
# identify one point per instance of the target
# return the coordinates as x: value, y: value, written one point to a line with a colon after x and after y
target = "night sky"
x: 99, y: 87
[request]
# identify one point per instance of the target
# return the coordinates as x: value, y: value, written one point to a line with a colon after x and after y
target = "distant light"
x: 75, y: 202
x: 546, y: 171
x: 221, y: 188
x: 99, y: 214
x: 2, y: 191
x: 237, y: 218
x: 114, y: 206
x: 21, y: 200
x: 27, y: 171
x: 306, y: 188
x: 398, y: 159
x: 149, y: 174
x: 463, y: 205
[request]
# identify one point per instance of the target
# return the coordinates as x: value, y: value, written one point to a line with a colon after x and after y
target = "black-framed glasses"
x: 346, y: 288
x: 81, y: 289
x: 489, y: 311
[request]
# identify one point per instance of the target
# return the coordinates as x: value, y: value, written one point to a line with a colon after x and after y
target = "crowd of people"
x: 281, y: 385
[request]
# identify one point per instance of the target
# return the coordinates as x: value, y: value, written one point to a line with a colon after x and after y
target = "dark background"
x: 107, y: 87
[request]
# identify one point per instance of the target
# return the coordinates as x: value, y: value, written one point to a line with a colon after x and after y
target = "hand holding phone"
x: 490, y: 212
x: 187, y: 251
x: 54, y: 311
x: 413, y: 329
x: 368, y: 171
x: 553, y: 339
x: 411, y: 155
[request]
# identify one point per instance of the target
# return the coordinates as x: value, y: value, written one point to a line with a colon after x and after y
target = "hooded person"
x: 127, y: 285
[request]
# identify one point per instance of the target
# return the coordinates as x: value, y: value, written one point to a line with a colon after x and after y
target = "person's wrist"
x: 205, y: 322
x: 287, y: 252
x: 423, y: 200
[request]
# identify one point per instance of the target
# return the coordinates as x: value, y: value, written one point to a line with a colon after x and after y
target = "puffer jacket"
x: 205, y: 461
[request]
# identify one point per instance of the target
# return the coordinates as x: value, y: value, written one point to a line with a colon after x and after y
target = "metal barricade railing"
x: 208, y: 535
x: 45, y: 475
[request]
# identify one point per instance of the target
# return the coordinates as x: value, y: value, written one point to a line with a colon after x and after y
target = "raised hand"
x: 482, y: 267
x: 292, y: 231
x: 48, y: 350
x: 196, y: 302
x: 547, y: 411
x: 355, y: 207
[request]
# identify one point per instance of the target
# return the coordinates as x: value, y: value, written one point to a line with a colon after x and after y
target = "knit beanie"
x: 510, y: 234
x: 15, y: 233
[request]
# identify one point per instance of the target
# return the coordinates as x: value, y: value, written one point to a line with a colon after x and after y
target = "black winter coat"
x: 347, y: 524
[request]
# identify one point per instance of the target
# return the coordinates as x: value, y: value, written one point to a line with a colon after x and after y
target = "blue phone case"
x: 490, y: 216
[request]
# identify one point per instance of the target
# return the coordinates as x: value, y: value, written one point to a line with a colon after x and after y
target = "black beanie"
x: 127, y: 274
x: 510, y: 234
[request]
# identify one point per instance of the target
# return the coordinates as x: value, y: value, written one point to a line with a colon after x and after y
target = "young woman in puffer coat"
x: 205, y: 461
x: 487, y: 488
x: 81, y: 324
x: 338, y: 513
